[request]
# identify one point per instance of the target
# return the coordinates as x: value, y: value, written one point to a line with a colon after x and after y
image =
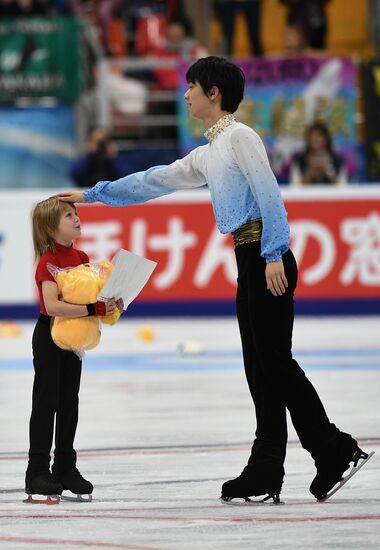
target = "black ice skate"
x: 73, y: 481
x: 247, y: 485
x: 44, y: 485
x: 330, y: 470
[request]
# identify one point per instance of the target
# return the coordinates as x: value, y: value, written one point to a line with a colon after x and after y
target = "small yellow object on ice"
x: 9, y: 329
x: 146, y: 333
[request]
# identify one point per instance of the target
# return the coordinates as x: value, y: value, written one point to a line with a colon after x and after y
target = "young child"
x: 57, y: 372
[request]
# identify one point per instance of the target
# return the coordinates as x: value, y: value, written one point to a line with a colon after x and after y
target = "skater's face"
x: 198, y: 103
x: 69, y: 226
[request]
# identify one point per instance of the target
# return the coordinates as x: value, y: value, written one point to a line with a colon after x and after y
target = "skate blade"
x: 77, y: 498
x: 351, y: 473
x: 246, y: 501
x: 50, y: 499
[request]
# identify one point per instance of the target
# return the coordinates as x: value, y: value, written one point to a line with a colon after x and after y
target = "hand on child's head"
x: 70, y: 196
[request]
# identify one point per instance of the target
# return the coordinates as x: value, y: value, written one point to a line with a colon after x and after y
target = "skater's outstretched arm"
x: 186, y: 173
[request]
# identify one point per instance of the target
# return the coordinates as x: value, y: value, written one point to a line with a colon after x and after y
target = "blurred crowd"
x: 158, y: 27
x: 122, y: 29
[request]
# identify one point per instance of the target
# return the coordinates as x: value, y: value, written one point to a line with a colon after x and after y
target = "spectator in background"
x: 226, y: 11
x: 179, y: 44
x: 128, y: 96
x: 311, y: 16
x: 180, y: 38
x: 139, y: 14
x: 106, y: 36
x: 318, y: 163
x: 101, y: 161
x: 295, y: 41
x: 99, y: 14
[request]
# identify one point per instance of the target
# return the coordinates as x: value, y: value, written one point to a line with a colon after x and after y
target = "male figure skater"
x: 247, y: 202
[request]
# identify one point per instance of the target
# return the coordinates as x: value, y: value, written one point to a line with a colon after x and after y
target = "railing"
x: 157, y: 122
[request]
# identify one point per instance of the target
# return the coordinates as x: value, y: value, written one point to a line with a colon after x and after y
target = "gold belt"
x: 248, y: 233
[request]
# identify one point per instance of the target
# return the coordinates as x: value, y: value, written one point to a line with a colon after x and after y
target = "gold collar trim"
x: 219, y: 126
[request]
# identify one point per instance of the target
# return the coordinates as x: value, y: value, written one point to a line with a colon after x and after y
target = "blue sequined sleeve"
x: 140, y: 187
x: 250, y: 155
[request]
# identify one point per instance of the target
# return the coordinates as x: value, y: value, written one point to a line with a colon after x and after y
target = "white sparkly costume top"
x: 235, y: 167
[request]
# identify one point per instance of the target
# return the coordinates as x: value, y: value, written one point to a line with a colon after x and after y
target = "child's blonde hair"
x: 46, y: 216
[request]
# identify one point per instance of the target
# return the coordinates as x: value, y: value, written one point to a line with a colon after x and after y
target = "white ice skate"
x: 71, y: 497
x: 247, y: 501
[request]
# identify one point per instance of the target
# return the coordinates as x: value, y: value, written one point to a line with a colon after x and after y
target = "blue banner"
x: 36, y: 147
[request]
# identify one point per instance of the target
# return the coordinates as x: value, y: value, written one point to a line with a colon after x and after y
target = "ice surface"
x: 159, y: 432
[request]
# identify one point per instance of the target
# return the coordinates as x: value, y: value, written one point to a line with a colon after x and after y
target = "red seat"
x: 117, y: 41
x: 150, y: 34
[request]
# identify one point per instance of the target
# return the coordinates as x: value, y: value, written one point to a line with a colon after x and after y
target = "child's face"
x: 69, y: 226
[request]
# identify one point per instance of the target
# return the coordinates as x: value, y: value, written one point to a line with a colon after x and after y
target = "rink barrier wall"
x: 218, y: 308
x: 335, y: 238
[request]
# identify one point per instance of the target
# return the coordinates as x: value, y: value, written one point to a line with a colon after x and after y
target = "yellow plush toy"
x: 81, y: 285
x: 79, y: 334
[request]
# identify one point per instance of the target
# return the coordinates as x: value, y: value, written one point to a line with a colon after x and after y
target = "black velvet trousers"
x: 55, y: 398
x: 275, y: 379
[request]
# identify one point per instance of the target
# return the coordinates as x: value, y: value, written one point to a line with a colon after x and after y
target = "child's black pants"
x: 55, y: 397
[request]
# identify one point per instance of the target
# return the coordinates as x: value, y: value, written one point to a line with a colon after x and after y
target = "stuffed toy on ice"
x: 81, y: 285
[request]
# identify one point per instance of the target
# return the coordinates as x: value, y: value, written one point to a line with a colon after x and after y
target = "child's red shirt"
x: 64, y: 256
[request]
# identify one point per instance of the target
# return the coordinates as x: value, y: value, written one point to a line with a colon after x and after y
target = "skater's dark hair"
x: 217, y: 71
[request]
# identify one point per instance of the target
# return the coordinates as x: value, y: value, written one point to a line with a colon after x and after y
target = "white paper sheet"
x: 129, y: 276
